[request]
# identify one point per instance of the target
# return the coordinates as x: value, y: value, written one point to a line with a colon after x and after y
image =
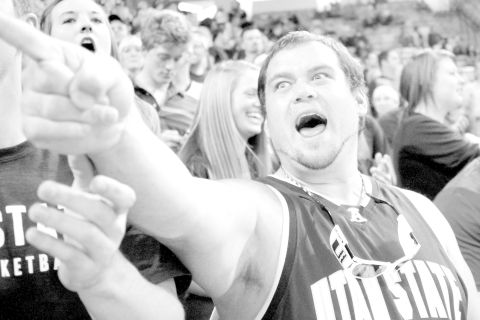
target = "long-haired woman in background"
x: 227, y: 139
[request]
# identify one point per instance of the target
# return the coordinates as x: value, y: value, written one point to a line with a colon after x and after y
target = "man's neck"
x: 340, y: 182
x: 11, y: 133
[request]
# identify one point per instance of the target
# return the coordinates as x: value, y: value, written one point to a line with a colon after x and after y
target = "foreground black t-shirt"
x: 29, y: 285
x: 428, y: 154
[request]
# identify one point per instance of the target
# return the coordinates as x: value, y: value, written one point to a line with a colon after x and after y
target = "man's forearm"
x: 125, y: 294
x: 164, y: 186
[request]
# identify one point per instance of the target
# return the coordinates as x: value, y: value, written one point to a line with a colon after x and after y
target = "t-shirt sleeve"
x: 153, y: 260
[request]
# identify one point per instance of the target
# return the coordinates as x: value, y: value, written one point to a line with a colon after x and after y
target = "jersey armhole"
x: 281, y: 258
x: 282, y: 253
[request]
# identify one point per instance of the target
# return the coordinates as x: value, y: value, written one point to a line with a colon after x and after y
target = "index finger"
x: 26, y: 38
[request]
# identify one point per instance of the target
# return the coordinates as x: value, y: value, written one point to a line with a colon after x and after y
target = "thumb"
x: 83, y: 171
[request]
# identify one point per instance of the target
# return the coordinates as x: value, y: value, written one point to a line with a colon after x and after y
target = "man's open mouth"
x: 311, y: 124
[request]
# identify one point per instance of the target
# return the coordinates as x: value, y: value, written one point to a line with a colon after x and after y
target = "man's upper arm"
x: 446, y: 237
x: 225, y: 238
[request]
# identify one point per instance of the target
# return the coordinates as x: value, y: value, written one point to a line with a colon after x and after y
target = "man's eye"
x: 69, y: 20
x: 97, y: 20
x: 319, y: 76
x: 282, y: 85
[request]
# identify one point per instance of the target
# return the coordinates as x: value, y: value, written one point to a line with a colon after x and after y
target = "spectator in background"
x: 372, y: 69
x: 427, y: 152
x: 472, y: 102
x: 384, y: 99
x: 130, y: 55
x: 277, y: 30
x: 165, y: 37
x: 225, y: 35
x: 200, y: 60
x: 387, y: 109
x: 119, y: 27
x: 90, y: 32
x: 227, y: 140
x: 390, y: 68
x: 252, y: 44
x: 459, y: 202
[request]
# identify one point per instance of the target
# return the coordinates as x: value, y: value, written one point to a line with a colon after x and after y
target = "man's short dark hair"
x: 351, y: 67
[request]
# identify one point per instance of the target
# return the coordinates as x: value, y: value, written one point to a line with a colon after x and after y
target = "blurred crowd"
x: 196, y: 89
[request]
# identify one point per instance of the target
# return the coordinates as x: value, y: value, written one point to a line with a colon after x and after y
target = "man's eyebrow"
x: 67, y: 13
x: 283, y: 74
x: 320, y: 67
x: 74, y: 12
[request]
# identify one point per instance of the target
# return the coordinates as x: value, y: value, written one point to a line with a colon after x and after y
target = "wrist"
x: 131, y: 124
x: 114, y: 280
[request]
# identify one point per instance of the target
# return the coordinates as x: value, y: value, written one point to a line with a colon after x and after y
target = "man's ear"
x: 31, y: 18
x: 362, y: 102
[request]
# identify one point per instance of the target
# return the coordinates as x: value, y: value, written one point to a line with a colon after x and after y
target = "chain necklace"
x: 355, y: 214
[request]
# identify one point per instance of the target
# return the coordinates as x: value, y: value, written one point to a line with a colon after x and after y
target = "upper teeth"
x: 254, y: 114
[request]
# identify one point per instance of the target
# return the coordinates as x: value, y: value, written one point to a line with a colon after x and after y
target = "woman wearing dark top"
x: 427, y: 152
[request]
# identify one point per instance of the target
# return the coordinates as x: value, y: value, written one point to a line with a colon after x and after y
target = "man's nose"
x: 304, y: 91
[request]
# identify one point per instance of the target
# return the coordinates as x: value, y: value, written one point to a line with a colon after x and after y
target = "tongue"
x: 310, y: 132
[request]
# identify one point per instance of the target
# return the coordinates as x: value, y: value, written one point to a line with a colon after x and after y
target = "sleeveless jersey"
x: 313, y: 285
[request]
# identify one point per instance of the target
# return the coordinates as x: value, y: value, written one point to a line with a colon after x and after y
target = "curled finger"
x: 55, y: 247
x: 85, y: 235
x: 120, y: 195
x: 90, y: 206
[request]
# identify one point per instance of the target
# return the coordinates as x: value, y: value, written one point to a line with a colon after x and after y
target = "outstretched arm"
x: 83, y: 104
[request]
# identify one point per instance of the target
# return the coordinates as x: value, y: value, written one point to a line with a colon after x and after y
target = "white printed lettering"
x: 322, y: 300
x: 43, y: 262
x: 401, y: 297
x: 337, y: 282
x: 457, y: 297
x: 360, y: 307
x: 409, y: 271
x: 376, y: 299
x: 17, y: 267
x: 3, y: 268
x: 437, y: 271
x: 17, y: 212
x: 30, y: 263
x: 434, y: 302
